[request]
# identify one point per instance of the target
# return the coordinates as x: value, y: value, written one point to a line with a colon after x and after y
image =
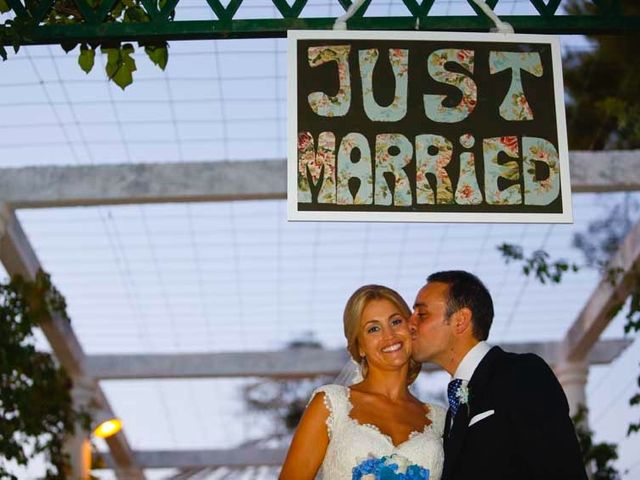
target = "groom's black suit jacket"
x: 529, y: 436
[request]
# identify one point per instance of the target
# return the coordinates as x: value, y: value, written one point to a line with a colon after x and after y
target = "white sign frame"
x: 294, y: 214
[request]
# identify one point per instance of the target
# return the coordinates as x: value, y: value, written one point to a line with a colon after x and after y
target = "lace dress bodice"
x: 351, y: 442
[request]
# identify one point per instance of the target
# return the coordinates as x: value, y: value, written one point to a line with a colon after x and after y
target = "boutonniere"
x: 463, y: 394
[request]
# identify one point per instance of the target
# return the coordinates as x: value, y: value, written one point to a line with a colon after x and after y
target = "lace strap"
x: 437, y: 415
x: 335, y: 399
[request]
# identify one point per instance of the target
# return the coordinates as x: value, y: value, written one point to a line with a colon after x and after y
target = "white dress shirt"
x: 470, y: 362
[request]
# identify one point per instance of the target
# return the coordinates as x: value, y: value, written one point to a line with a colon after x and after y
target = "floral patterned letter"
x: 320, y: 102
x: 538, y: 191
x: 399, y: 59
x: 361, y: 170
x: 433, y: 107
x: 385, y: 162
x: 468, y: 192
x: 495, y: 169
x: 515, y: 106
x: 317, y: 163
x: 433, y: 164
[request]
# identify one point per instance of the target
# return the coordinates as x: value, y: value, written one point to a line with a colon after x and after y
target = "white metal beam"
x: 295, y: 363
x: 60, y: 186
x: 608, y: 295
x: 18, y: 258
x: 237, y: 457
x: 67, y: 186
x: 606, y: 171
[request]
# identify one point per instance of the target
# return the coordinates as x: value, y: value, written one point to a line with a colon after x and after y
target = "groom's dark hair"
x: 466, y: 290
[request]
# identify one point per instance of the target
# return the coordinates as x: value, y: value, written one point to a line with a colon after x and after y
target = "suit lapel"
x: 457, y: 433
x: 458, y: 430
x: 483, y: 373
x: 447, y: 426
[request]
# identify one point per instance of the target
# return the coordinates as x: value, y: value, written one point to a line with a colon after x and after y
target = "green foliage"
x: 603, y: 108
x: 597, y: 457
x: 158, y: 54
x: 120, y: 61
x: 35, y: 399
x: 120, y: 64
x: 537, y: 263
x: 87, y: 58
x: 632, y: 325
x: 603, y: 236
x: 18, y: 29
x: 634, y: 402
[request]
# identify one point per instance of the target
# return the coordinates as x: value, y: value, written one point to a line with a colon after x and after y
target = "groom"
x: 508, y: 417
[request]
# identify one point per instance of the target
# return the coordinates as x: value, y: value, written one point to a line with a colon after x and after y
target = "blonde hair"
x: 353, y: 315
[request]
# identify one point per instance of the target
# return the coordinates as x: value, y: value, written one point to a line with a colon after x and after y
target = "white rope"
x: 341, y: 22
x: 501, y: 27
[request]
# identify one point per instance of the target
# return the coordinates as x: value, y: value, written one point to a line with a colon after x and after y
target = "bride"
x: 374, y: 428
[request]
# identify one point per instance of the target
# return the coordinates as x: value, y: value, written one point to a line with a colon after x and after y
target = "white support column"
x: 580, y: 339
x: 573, y: 377
x: 608, y: 295
x: 78, y: 446
x: 18, y: 257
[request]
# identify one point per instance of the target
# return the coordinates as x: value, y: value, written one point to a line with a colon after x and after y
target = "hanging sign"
x: 413, y: 126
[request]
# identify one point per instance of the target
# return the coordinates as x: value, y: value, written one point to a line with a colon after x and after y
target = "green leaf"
x: 3, y: 53
x: 4, y: 6
x: 158, y: 54
x: 67, y: 46
x: 117, y: 10
x: 120, y: 65
x: 86, y: 59
x: 135, y: 14
x: 127, y: 49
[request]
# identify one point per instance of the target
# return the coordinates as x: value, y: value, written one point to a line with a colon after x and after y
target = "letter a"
x: 361, y: 170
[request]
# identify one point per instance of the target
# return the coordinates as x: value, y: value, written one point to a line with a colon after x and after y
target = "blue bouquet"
x: 392, y: 467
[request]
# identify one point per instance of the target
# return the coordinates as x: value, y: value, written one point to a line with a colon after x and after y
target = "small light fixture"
x: 106, y: 425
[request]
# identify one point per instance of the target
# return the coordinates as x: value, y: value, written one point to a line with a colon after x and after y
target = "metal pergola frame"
x: 89, y: 21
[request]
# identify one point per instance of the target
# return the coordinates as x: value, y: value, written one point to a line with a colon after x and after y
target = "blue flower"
x: 387, y: 468
x: 414, y: 472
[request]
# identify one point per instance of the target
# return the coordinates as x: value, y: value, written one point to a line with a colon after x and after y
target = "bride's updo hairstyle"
x: 353, y: 315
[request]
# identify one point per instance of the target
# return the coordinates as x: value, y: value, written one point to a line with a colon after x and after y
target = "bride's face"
x: 384, y: 336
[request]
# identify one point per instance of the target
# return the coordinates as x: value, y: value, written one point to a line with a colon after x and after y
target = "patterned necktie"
x: 452, y: 396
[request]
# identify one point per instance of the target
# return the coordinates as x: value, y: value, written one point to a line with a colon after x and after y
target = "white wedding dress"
x: 350, y: 443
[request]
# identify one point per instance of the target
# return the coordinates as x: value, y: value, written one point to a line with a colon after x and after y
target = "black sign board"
x: 412, y: 126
